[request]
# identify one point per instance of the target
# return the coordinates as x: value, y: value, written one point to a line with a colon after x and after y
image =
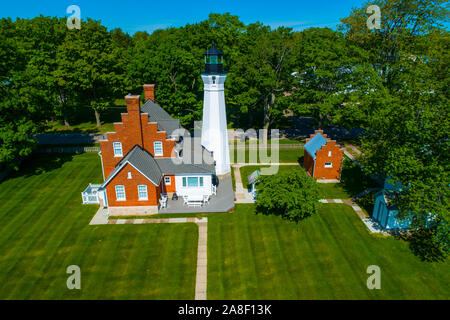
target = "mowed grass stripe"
x: 216, y: 279
x: 294, y: 238
x: 356, y: 247
x: 180, y: 284
x: 89, y: 243
x: 245, y: 252
x: 46, y: 212
x: 41, y: 264
x: 276, y: 253
x: 265, y: 273
x: 346, y: 269
x: 333, y: 249
x: 50, y: 231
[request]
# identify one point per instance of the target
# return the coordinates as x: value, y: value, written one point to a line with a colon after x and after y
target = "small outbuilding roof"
x: 253, y: 177
x: 315, y: 144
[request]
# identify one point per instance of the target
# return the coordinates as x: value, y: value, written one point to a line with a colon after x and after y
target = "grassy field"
x: 44, y: 228
x: 285, y: 155
x: 323, y: 257
x: 353, y: 180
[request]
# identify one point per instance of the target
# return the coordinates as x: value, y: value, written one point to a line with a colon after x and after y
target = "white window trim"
x: 167, y: 178
x: 146, y: 192
x: 329, y: 166
x: 124, y: 193
x: 329, y: 153
x: 154, y: 149
x: 198, y: 182
x: 114, y: 150
x: 129, y: 176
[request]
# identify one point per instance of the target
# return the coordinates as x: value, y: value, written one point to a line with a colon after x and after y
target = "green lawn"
x: 323, y: 257
x: 292, y: 155
x: 44, y: 228
x: 353, y: 180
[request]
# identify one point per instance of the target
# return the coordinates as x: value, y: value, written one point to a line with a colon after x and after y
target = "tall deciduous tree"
x: 92, y: 66
x: 332, y: 74
x: 408, y: 127
x: 27, y: 50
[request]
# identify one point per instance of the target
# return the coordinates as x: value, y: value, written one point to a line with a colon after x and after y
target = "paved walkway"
x: 241, y: 194
x: 202, y: 261
x: 101, y: 217
x: 202, y: 249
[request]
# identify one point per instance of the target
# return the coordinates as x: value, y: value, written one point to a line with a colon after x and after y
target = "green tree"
x: 28, y: 49
x: 332, y: 75
x: 408, y: 124
x: 294, y: 196
x: 91, y: 66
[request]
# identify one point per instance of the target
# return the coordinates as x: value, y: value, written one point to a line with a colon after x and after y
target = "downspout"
x: 101, y: 160
x: 314, y: 167
x: 105, y: 195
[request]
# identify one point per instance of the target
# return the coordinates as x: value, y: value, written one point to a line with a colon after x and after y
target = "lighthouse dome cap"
x: 213, y: 51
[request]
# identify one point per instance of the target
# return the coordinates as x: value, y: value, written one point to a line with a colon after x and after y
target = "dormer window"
x: 158, y: 148
x: 117, y: 146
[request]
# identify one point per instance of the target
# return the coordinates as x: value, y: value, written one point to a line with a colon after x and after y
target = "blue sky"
x: 149, y: 15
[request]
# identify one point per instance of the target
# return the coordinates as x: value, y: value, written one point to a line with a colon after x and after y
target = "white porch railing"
x: 90, y: 194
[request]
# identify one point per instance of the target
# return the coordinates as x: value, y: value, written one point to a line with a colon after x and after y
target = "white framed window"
x: 192, y: 182
x: 158, y: 147
x: 120, y: 193
x: 142, y: 192
x: 329, y: 153
x: 129, y: 175
x: 117, y: 146
x: 328, y: 165
x: 167, y: 181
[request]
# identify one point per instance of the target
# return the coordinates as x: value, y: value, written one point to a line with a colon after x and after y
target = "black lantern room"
x: 213, y: 61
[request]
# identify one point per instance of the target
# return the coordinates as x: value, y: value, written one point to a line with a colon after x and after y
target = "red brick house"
x: 323, y: 157
x: 143, y: 158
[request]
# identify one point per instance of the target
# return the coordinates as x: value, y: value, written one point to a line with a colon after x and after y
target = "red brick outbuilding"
x: 323, y: 157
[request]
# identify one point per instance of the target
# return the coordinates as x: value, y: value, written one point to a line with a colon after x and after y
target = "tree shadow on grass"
x: 425, y: 246
x: 38, y: 164
x: 354, y: 180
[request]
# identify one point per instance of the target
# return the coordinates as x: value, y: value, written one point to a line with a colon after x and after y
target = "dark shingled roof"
x: 159, y: 115
x: 142, y: 161
x: 153, y: 169
x: 188, y: 165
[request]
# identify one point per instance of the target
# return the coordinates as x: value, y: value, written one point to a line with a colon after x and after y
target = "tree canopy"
x: 293, y: 196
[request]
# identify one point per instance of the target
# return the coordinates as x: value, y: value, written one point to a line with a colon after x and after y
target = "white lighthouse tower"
x: 214, y: 127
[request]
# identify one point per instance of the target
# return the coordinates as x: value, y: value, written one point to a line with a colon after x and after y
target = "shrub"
x: 292, y: 195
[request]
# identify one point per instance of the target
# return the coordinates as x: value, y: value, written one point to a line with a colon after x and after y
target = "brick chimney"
x: 149, y: 91
x: 133, y: 103
x: 134, y: 119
